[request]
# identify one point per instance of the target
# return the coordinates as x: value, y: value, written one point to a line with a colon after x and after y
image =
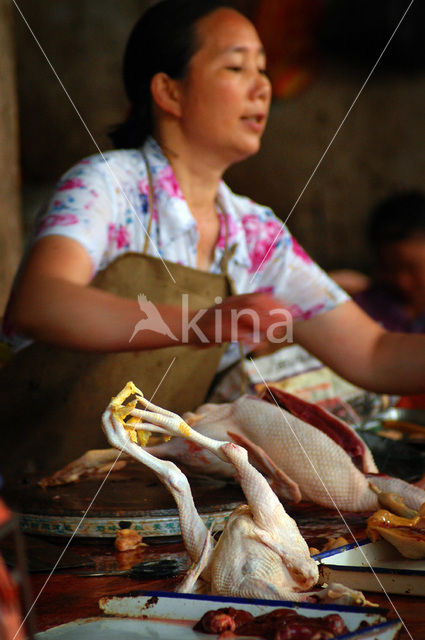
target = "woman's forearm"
x: 360, y: 351
x: 399, y: 363
x: 80, y: 317
x: 76, y: 316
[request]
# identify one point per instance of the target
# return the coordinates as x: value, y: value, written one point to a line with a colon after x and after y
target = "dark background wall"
x: 379, y: 147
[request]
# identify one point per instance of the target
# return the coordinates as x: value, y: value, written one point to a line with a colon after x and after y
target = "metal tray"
x: 171, y: 616
x: 373, y: 566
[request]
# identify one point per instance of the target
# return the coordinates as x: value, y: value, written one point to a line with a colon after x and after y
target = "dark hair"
x: 163, y: 40
x: 398, y: 217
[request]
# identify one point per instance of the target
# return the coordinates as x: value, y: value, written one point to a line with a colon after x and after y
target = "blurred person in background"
x: 396, y: 296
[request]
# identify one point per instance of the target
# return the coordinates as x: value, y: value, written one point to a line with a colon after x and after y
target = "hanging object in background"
x: 289, y: 31
x: 358, y: 31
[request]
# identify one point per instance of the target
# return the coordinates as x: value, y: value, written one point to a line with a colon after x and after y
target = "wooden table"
x: 66, y: 596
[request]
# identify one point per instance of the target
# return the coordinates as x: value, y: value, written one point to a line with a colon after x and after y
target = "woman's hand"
x: 248, y: 318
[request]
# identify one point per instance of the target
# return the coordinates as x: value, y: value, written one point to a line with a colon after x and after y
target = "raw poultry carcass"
x: 306, y: 452
x: 260, y: 553
x: 327, y: 462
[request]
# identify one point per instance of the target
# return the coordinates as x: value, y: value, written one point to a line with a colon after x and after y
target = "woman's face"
x: 225, y: 96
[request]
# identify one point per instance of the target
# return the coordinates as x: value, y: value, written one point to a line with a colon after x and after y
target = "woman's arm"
x: 358, y: 349
x: 53, y: 303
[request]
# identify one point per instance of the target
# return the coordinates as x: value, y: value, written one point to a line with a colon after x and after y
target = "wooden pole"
x: 10, y: 202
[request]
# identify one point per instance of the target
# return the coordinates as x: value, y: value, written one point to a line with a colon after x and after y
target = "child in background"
x: 396, y: 297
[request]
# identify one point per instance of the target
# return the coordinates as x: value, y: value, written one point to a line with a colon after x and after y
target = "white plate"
x: 373, y: 566
x: 171, y: 616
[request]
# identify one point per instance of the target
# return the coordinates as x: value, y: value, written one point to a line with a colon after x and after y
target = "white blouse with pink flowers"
x: 102, y: 202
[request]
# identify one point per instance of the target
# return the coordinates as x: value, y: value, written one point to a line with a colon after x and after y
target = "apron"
x: 52, y: 399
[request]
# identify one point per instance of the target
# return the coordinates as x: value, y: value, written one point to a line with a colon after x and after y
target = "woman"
x: 195, y: 75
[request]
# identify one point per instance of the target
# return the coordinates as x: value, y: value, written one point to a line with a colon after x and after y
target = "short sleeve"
x: 298, y: 281
x: 81, y: 208
x: 267, y: 258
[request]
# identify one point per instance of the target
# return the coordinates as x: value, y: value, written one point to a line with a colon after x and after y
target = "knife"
x: 42, y: 556
x: 166, y: 568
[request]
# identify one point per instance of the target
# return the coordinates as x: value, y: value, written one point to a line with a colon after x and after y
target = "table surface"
x: 65, y: 596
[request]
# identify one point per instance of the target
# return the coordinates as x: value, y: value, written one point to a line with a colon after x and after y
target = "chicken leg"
x: 195, y: 534
x: 261, y: 552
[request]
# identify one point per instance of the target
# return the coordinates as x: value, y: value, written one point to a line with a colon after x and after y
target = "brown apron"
x: 52, y: 399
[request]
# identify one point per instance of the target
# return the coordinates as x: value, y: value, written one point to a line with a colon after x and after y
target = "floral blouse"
x: 102, y: 202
